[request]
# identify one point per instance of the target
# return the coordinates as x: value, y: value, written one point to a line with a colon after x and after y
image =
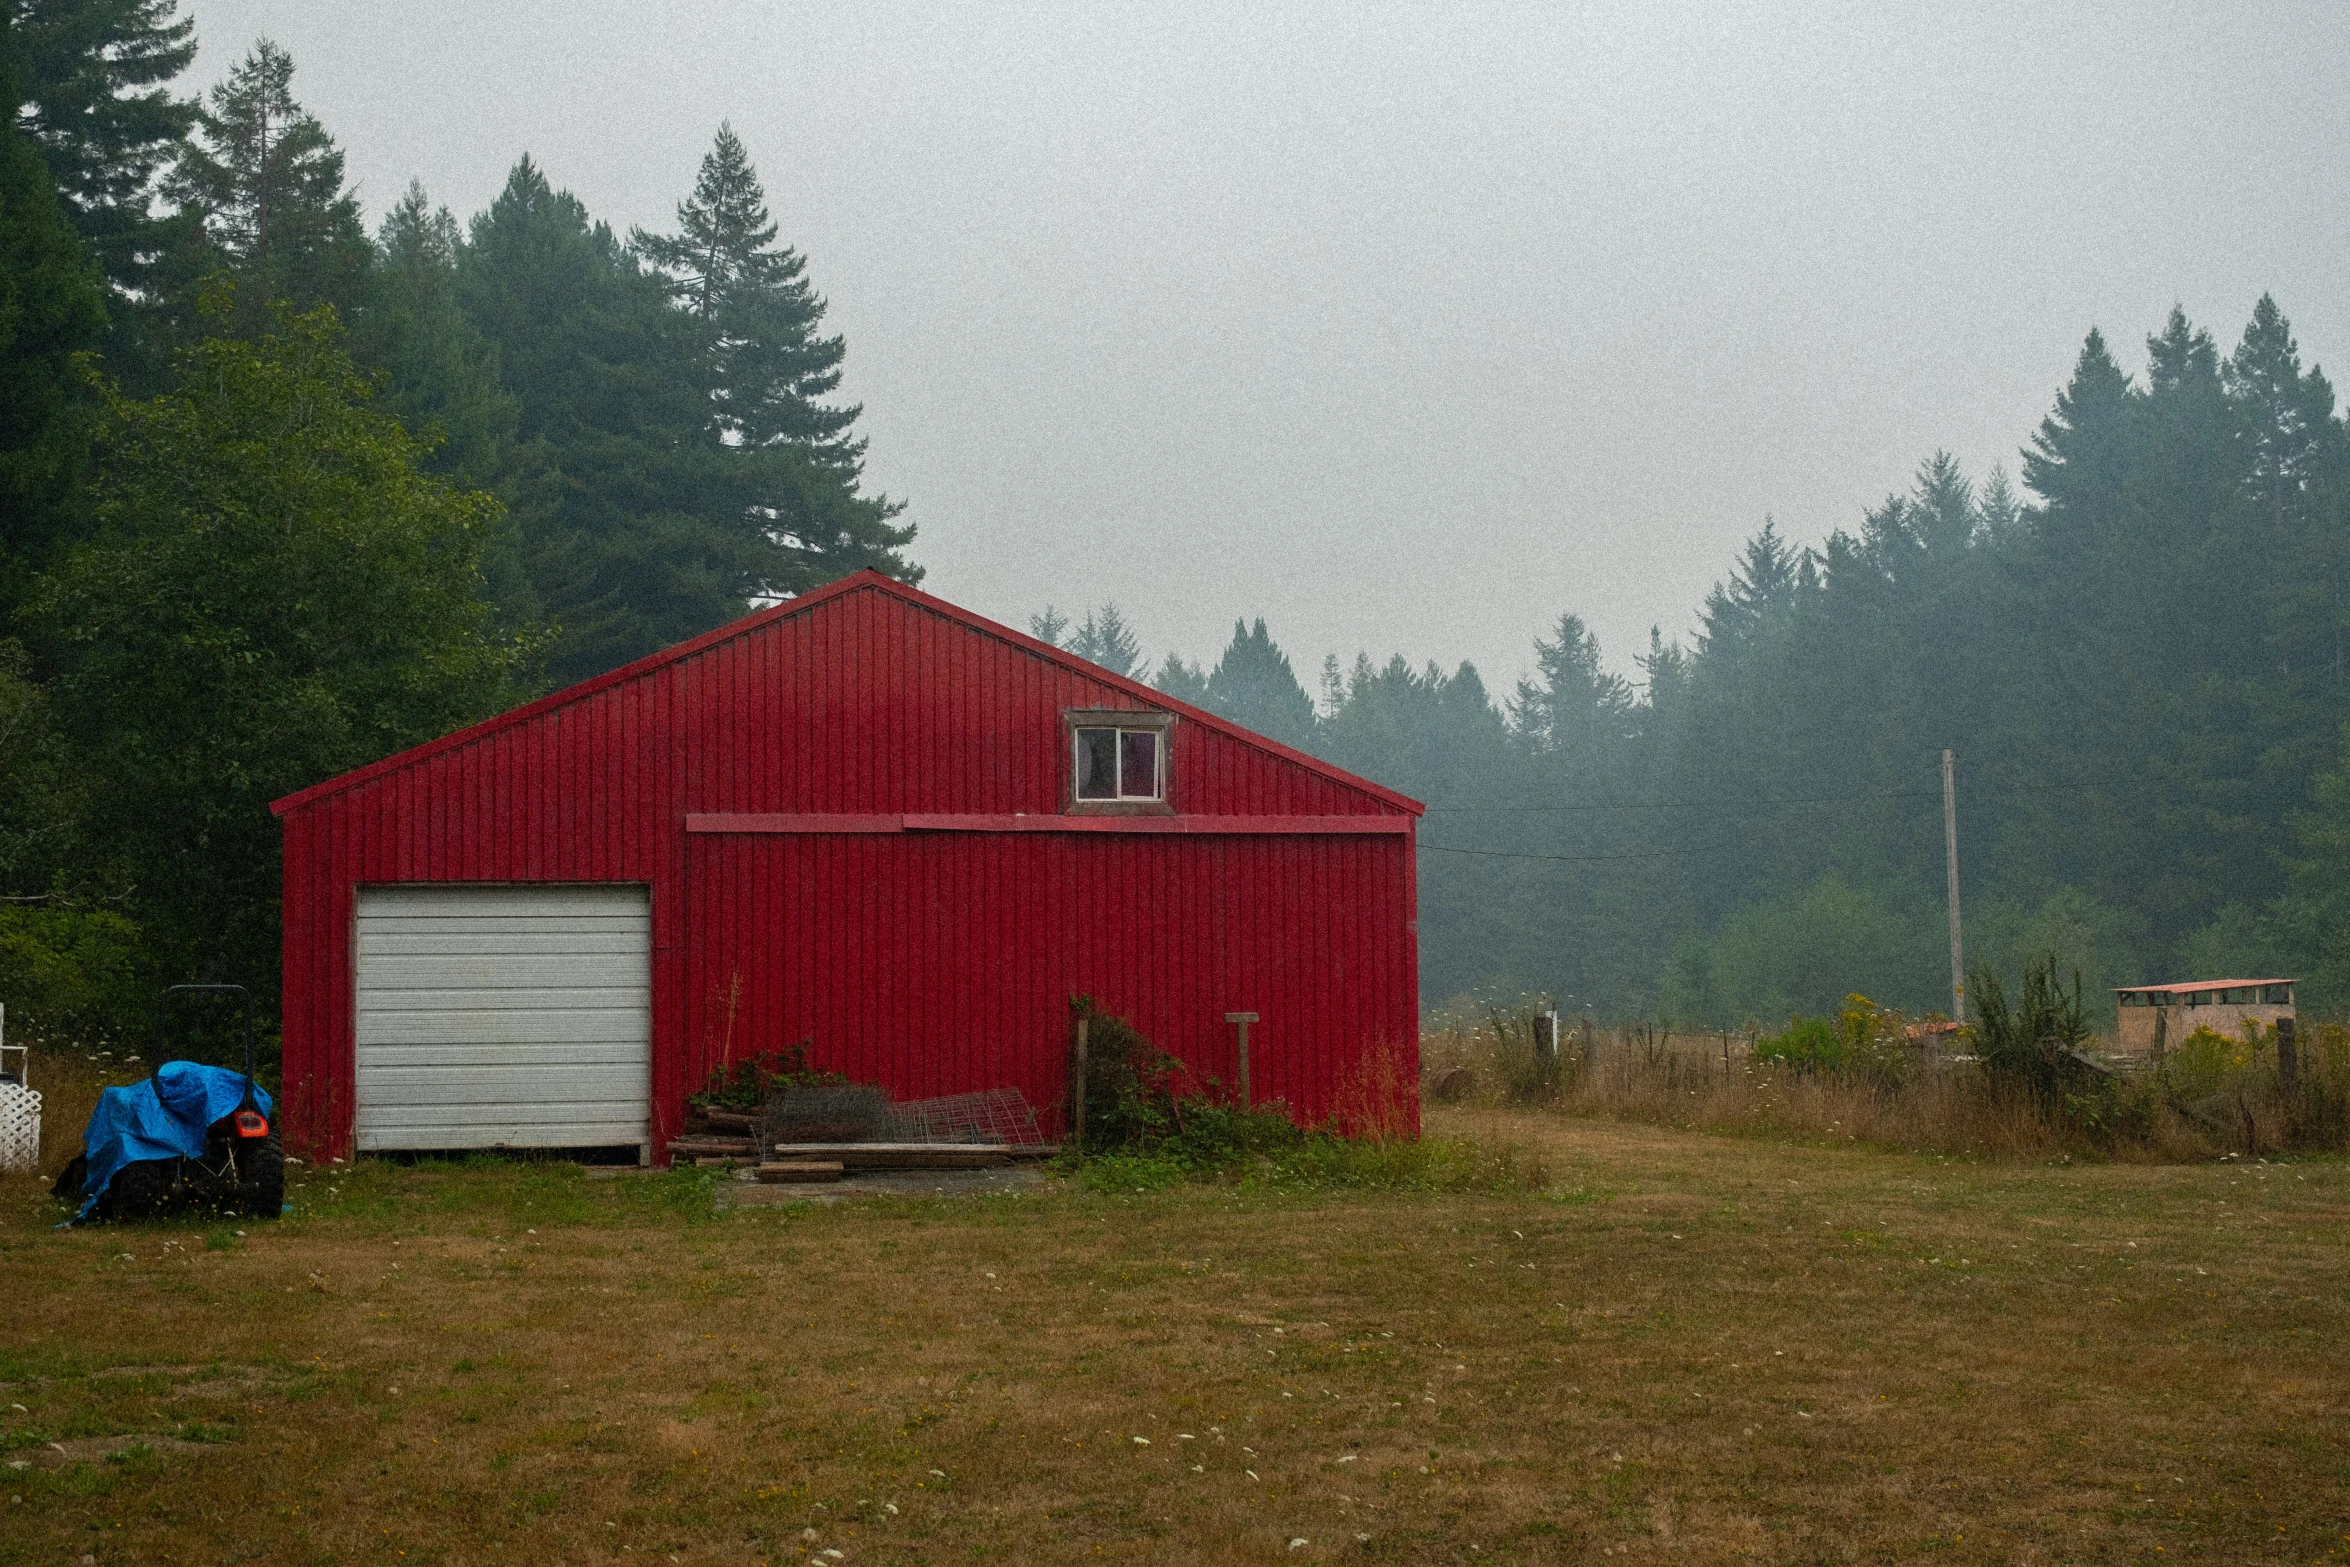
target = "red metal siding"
x: 932, y: 960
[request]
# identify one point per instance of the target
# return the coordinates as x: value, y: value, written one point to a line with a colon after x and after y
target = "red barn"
x: 865, y: 819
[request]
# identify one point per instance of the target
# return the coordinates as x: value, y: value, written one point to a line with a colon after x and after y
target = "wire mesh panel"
x: 997, y: 1115
x: 861, y: 1113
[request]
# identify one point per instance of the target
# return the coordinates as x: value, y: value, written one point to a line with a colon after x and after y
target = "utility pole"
x: 1950, y: 853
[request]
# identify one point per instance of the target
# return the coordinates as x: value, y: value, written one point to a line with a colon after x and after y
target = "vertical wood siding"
x: 932, y: 962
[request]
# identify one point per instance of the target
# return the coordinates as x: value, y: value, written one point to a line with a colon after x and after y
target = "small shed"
x: 864, y: 820
x: 2154, y: 1017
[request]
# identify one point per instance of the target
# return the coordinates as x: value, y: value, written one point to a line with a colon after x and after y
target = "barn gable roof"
x: 752, y: 624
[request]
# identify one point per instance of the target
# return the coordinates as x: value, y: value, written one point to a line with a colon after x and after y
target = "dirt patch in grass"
x: 1687, y: 1348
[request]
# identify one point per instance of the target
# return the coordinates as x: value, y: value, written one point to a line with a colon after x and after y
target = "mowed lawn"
x: 1688, y: 1348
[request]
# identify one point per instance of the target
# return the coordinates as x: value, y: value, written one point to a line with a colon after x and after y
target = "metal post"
x: 1243, y: 1019
x: 1950, y: 852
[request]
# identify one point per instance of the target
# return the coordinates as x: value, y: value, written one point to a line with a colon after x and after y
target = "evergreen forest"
x: 284, y: 494
x: 2139, y: 659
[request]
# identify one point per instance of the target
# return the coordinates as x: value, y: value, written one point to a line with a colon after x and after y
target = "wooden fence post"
x: 2288, y: 1058
x: 1077, y: 1082
x: 1243, y: 1019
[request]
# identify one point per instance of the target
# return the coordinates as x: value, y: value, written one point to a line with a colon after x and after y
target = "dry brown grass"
x: 1694, y: 1348
x: 1711, y: 1082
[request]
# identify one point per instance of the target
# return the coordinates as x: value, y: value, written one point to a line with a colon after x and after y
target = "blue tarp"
x: 164, y: 1117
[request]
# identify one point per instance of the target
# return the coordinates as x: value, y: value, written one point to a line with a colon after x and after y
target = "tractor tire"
x: 141, y: 1190
x: 72, y: 1178
x: 261, y: 1168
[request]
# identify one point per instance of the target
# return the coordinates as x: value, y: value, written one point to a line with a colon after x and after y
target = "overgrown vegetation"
x: 745, y: 1083
x: 1149, y: 1124
x: 2026, y: 1081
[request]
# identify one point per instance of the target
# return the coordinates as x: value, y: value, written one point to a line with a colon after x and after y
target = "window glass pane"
x: 1139, y: 764
x: 1097, y: 764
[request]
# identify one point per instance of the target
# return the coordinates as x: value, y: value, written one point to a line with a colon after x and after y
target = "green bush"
x: 1147, y: 1128
x: 1863, y: 1040
x: 745, y: 1084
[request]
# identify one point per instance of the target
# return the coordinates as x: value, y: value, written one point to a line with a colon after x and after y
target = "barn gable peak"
x: 754, y: 624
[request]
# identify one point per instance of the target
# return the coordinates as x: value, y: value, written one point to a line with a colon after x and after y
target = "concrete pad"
x: 746, y: 1191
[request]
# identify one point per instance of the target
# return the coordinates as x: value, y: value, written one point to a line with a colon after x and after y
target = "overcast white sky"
x: 1410, y: 327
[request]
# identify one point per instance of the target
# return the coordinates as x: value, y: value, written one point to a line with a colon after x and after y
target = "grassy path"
x: 1689, y: 1349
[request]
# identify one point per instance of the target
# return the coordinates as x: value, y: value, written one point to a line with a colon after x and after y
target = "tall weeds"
x: 1859, y: 1078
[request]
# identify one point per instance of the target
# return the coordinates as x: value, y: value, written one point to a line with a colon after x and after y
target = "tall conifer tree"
x: 1253, y: 684
x: 265, y: 180
x: 52, y: 306
x: 768, y: 369
x: 94, y: 75
x: 1577, y: 707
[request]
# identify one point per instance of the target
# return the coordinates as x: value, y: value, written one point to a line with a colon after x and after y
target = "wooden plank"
x: 792, y: 1172
x: 903, y: 1156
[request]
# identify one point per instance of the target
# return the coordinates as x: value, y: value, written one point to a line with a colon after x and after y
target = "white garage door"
x: 504, y: 1017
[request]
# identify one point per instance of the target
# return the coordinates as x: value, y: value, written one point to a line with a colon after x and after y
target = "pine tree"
x: 1254, y: 686
x: 1664, y: 669
x: 94, y: 78
x: 1050, y: 626
x: 2179, y: 357
x: 1762, y: 587
x: 633, y: 530
x: 2081, y: 447
x: 1185, y: 682
x: 769, y: 367
x: 766, y: 370
x: 52, y: 306
x: 1107, y: 640
x: 1577, y: 707
x: 441, y: 374
x: 265, y: 181
x: 2283, y: 415
x: 2001, y: 511
x: 441, y: 378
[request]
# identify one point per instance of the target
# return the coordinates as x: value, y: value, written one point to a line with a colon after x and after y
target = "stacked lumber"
x: 797, y: 1172
x: 705, y: 1146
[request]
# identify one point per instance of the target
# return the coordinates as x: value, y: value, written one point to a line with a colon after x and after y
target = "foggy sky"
x: 1409, y: 328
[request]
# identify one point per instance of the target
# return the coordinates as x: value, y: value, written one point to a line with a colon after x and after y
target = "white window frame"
x: 1126, y: 721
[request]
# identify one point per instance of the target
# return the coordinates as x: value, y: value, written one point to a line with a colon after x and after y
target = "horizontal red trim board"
x: 1176, y: 826
x: 1221, y: 826
x: 813, y: 823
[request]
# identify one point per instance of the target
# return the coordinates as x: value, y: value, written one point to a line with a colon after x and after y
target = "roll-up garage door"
x: 513, y: 1017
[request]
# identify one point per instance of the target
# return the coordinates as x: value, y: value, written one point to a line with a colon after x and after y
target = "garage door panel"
x: 569, y: 1132
x: 527, y: 971
x: 617, y: 1082
x: 524, y: 939
x: 503, y: 1016
x: 526, y: 902
x: 511, y: 999
x: 437, y: 1118
x: 475, y: 1034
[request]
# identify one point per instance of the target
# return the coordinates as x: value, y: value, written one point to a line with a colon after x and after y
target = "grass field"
x: 1688, y: 1348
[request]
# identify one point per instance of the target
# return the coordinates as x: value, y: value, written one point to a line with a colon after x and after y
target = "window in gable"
x: 1118, y: 758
